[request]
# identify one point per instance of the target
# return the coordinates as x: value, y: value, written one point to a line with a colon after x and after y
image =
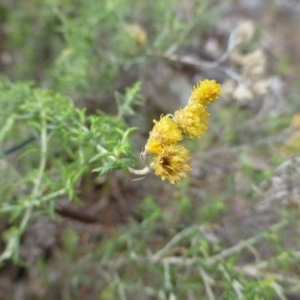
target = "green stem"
x: 39, y: 176
x: 6, y: 127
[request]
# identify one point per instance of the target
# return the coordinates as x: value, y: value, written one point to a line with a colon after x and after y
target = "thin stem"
x: 6, y: 127
x: 176, y: 239
x: 253, y: 272
x: 13, y: 242
x: 183, y: 261
x: 51, y: 196
x: 245, y: 243
x: 144, y: 171
x: 227, y: 252
x: 39, y: 176
x: 207, y: 283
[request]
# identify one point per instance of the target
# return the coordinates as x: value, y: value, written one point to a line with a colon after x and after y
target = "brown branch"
x: 75, y: 214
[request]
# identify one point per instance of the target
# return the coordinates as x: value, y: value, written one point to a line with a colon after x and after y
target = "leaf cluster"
x: 48, y: 144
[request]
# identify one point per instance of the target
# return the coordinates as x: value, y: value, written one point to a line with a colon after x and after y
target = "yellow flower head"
x: 170, y: 159
x: 171, y: 163
x: 205, y: 91
x: 192, y: 119
x: 164, y: 132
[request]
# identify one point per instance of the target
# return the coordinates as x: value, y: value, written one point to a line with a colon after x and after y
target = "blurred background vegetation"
x: 81, y: 82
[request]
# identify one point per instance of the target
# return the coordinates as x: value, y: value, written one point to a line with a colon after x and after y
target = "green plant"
x: 75, y: 73
x: 84, y: 143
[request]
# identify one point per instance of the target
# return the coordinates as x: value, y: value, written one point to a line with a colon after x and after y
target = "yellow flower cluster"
x: 165, y: 132
x: 171, y: 159
x: 192, y: 119
x: 206, y: 91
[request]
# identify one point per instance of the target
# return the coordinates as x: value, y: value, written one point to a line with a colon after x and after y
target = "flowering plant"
x: 171, y: 159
